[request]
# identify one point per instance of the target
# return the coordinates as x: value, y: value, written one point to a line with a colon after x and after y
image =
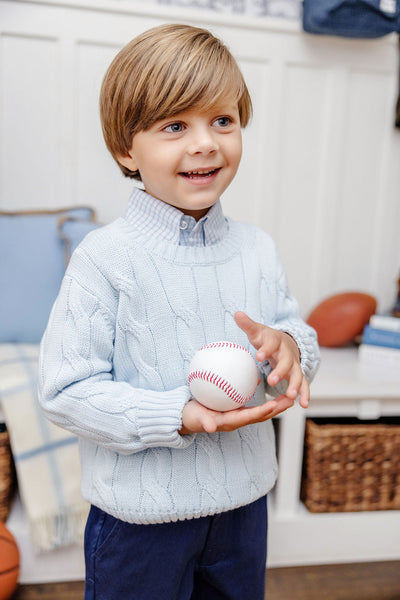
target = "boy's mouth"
x: 200, y: 174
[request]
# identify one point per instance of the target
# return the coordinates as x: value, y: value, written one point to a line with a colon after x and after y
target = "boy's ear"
x: 127, y: 161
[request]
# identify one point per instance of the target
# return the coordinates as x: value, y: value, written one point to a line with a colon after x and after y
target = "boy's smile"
x: 201, y: 175
x: 189, y: 160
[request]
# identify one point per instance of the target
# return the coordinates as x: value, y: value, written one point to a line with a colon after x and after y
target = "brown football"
x: 342, y: 317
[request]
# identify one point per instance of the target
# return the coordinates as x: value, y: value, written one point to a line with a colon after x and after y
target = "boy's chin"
x: 196, y: 213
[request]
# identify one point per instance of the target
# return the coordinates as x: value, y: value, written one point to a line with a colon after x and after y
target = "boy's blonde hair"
x: 162, y: 72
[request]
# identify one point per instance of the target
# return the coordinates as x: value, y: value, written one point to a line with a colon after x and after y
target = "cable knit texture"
x: 132, y: 310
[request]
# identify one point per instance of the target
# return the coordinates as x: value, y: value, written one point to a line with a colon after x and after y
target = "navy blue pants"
x: 212, y: 558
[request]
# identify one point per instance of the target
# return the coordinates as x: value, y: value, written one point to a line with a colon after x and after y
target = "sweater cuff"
x: 159, y: 418
x: 308, y: 347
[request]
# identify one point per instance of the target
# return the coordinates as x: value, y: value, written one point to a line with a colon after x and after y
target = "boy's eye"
x: 174, y: 128
x: 223, y: 121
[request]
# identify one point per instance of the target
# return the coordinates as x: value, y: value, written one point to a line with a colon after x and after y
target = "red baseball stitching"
x: 226, y: 387
x: 225, y: 345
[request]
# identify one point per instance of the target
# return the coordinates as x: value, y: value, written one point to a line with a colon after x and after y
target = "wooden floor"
x: 367, y: 581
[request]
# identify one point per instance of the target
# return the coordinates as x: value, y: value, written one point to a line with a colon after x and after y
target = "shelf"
x: 299, y: 537
x: 304, y: 538
x: 340, y: 377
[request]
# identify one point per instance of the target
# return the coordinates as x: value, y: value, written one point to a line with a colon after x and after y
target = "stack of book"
x: 380, y: 346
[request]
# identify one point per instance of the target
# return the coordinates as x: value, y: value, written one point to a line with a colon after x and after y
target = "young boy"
x: 178, y: 491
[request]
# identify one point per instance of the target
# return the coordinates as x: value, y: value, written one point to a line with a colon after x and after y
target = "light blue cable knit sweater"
x: 132, y: 310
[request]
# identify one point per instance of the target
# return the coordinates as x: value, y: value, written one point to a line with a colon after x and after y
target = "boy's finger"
x: 234, y: 419
x: 246, y: 324
x: 267, y: 349
x: 304, y: 394
x: 283, y: 403
x: 209, y: 424
x: 295, y: 383
x: 284, y: 368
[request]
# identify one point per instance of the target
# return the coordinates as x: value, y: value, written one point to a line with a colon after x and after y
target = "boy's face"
x: 189, y: 160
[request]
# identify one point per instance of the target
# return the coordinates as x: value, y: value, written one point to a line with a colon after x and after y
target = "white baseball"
x: 223, y: 376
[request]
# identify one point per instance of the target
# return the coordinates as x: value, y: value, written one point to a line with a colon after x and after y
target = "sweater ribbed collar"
x: 156, y: 218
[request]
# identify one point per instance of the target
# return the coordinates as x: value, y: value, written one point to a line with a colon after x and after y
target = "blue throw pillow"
x: 72, y: 231
x: 32, y: 266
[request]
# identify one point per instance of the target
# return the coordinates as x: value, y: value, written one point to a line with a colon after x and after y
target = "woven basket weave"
x: 7, y: 473
x: 351, y: 467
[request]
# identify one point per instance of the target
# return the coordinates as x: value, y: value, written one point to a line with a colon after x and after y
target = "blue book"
x: 381, y: 337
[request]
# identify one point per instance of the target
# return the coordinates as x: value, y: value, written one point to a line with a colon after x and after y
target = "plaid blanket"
x: 46, y: 457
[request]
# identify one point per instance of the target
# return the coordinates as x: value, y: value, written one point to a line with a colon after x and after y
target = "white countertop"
x: 340, y: 376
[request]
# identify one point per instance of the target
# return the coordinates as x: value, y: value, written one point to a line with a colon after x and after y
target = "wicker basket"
x: 351, y: 466
x: 7, y: 473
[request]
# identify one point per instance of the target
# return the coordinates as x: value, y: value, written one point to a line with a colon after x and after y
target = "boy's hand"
x: 284, y: 356
x: 282, y: 353
x: 196, y: 418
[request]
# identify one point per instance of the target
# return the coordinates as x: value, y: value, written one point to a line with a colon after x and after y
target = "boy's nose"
x: 202, y: 142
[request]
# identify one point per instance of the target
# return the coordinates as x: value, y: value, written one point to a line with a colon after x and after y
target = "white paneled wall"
x: 321, y: 162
